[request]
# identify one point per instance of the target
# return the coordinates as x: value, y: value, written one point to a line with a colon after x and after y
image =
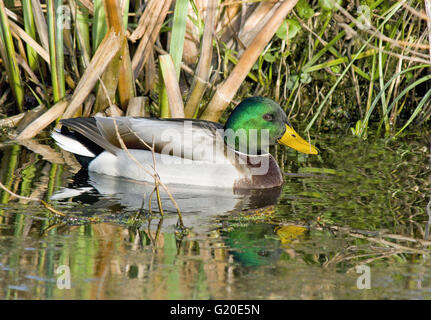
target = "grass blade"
x: 56, y: 51
x: 168, y: 71
x: 175, y: 50
x: 125, y: 9
x: 418, y: 109
x: 7, y: 51
x: 99, y: 24
x: 178, y: 33
x: 376, y: 99
x: 30, y: 28
x: 80, y: 15
x: 392, y: 11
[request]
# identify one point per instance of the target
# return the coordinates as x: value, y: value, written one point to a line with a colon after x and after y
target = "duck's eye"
x: 293, y: 135
x: 268, y: 117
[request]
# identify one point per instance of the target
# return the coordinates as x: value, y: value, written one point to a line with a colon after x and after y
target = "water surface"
x: 359, y: 203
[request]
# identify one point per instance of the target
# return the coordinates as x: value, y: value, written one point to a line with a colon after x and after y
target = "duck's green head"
x: 257, y: 123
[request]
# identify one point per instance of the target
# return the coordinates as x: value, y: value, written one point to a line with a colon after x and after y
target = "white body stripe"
x: 139, y: 166
x: 71, y: 145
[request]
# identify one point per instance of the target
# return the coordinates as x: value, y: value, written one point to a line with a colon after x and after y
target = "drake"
x: 187, y: 151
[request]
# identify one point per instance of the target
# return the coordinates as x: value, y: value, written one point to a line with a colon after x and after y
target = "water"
x: 356, y: 204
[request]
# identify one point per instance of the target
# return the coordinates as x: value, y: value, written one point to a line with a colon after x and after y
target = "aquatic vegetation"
x: 334, y: 214
x: 330, y: 64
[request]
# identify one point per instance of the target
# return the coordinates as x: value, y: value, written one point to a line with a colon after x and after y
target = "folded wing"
x: 185, y: 138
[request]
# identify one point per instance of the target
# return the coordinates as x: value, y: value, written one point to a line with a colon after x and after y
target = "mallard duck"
x: 187, y: 151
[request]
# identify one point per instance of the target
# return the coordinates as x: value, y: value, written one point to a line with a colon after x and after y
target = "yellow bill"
x: 293, y: 140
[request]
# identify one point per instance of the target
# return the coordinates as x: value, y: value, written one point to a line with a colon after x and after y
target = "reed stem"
x: 7, y: 51
x: 56, y: 51
x: 226, y: 91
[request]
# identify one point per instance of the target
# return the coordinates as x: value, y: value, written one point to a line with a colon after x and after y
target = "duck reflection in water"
x: 197, y: 204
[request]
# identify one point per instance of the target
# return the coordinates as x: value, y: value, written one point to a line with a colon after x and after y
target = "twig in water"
x: 155, y: 175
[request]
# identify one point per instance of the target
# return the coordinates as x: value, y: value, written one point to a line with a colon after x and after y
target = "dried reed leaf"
x: 23, y: 63
x: 150, y: 36
x: 30, y: 116
x: 255, y: 22
x: 226, y: 91
x: 88, y: 105
x: 428, y: 15
x: 110, y: 81
x: 41, y: 26
x: 147, y: 19
x: 175, y: 99
x: 106, y: 51
x: 88, y: 4
x: 137, y: 108
x: 227, y: 20
x: 126, y: 83
x: 204, y: 67
x: 114, y: 111
x: 43, y: 121
x: 45, y: 151
x: 119, y: 73
x: 150, y: 74
x: 15, y: 120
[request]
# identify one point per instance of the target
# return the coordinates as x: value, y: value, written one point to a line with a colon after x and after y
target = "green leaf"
x: 294, y: 27
x: 269, y: 57
x: 305, y: 78
x: 304, y: 9
x: 328, y: 4
x: 336, y: 69
x: 282, y: 31
x: 291, y: 82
